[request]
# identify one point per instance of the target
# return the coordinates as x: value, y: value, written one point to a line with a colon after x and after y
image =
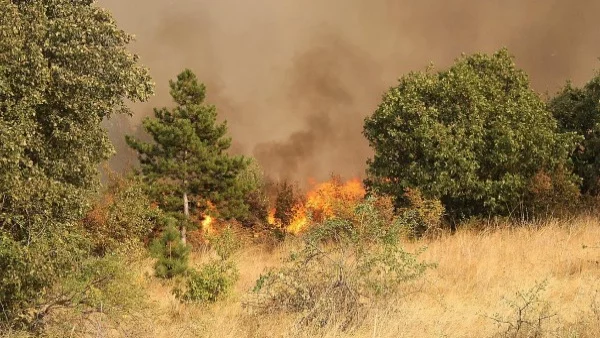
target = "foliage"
x: 472, y: 136
x: 257, y: 199
x: 122, y: 218
x: 286, y: 200
x: 426, y: 215
x: 529, y: 314
x: 213, y: 280
x: 345, y: 265
x: 101, y: 289
x: 553, y: 194
x: 64, y: 67
x: 33, y: 290
x: 188, y: 155
x: 171, y: 254
x: 578, y: 110
x: 210, y: 283
x: 226, y: 243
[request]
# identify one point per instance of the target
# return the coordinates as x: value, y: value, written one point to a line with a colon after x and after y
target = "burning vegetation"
x: 320, y: 202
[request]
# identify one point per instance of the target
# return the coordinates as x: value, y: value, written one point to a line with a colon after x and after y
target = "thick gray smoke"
x: 295, y: 78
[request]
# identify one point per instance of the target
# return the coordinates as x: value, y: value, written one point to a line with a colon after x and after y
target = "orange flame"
x: 208, y: 221
x: 323, y: 200
x: 271, y: 217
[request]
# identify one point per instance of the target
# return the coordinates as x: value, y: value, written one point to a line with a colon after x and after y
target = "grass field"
x: 468, y: 294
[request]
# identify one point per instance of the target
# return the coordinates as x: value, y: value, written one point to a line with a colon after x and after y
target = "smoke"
x: 295, y: 79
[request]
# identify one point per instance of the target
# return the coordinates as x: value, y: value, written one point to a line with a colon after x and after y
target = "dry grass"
x: 475, y: 272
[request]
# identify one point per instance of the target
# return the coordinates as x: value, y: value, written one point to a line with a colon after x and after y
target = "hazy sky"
x: 295, y: 78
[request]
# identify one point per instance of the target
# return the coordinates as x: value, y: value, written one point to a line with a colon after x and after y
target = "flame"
x: 271, y: 217
x: 322, y: 201
x: 208, y: 221
x: 300, y: 220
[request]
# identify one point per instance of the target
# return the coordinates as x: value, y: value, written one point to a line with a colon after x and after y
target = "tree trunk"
x: 186, y: 211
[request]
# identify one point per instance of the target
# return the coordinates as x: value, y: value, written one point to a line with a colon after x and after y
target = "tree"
x: 578, y: 110
x: 171, y: 253
x: 285, y: 202
x: 186, y: 165
x: 473, y: 136
x: 64, y: 67
x: 256, y: 198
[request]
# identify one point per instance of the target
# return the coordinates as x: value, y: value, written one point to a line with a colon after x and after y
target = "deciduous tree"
x: 473, y: 135
x: 578, y: 110
x: 64, y: 67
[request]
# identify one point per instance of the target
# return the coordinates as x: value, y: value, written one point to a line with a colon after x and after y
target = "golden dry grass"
x: 475, y: 272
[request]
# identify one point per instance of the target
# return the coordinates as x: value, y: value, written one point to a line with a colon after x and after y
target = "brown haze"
x: 295, y: 78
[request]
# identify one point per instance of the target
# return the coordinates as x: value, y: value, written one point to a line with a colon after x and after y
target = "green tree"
x: 472, y: 136
x: 187, y: 164
x: 578, y: 110
x: 256, y: 198
x: 171, y: 253
x: 64, y: 67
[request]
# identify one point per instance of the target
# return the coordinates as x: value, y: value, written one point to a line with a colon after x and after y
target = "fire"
x: 208, y: 220
x: 271, y: 217
x: 207, y: 223
x: 300, y: 220
x: 323, y: 200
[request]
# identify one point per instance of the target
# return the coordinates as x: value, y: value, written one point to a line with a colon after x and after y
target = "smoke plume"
x: 295, y: 79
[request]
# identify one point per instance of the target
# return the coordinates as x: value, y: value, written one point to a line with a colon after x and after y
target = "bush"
x: 171, y: 254
x: 29, y: 272
x: 529, y: 314
x: 553, y: 194
x: 226, y: 243
x: 257, y: 199
x: 33, y: 287
x: 22, y: 279
x: 286, y: 201
x: 345, y: 265
x: 210, y: 283
x: 122, y: 218
x: 472, y: 136
x: 425, y: 215
x: 213, y: 280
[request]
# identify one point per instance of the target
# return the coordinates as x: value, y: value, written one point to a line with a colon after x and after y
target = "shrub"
x: 213, y: 280
x: 529, y: 314
x: 553, y: 194
x: 22, y: 277
x: 122, y: 218
x: 472, y: 136
x: 425, y: 215
x: 285, y: 203
x: 210, y: 283
x: 257, y: 199
x: 226, y: 243
x: 75, y: 282
x: 171, y: 254
x: 346, y: 265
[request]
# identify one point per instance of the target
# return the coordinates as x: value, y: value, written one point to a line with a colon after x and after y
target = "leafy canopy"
x: 472, y: 135
x: 578, y: 110
x: 64, y: 67
x: 188, y: 154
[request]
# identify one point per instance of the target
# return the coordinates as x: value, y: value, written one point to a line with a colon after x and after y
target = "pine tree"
x: 187, y: 166
x: 171, y: 253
